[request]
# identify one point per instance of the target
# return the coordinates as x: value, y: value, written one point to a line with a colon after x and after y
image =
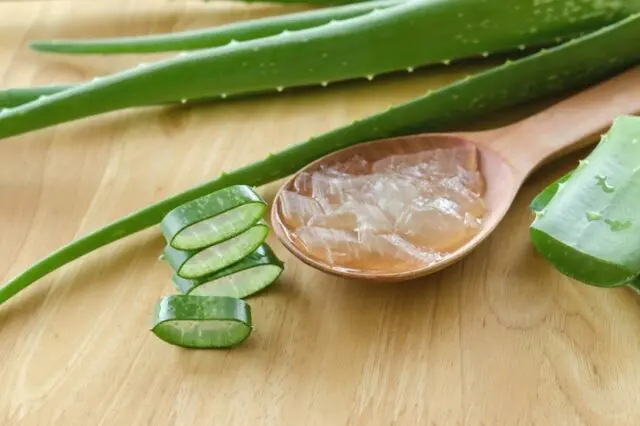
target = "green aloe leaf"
x: 213, y: 36
x: 412, y: 34
x: 588, y: 224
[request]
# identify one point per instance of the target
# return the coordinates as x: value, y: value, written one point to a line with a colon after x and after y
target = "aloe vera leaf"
x: 210, y: 37
x: 10, y: 98
x: 197, y: 263
x: 540, y: 201
x: 202, y: 321
x: 576, y: 64
x: 242, y: 279
x: 589, y: 229
x: 183, y: 41
x: 321, y: 55
x: 212, y: 218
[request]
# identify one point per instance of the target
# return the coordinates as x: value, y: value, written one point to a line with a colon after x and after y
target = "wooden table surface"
x: 498, y: 339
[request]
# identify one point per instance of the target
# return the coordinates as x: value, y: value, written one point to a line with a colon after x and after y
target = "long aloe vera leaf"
x: 210, y: 37
x: 590, y: 228
x: 577, y: 64
x: 414, y: 33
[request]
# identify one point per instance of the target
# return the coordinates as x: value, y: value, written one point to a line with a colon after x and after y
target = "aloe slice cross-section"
x: 589, y: 223
x: 202, y: 321
x: 242, y: 279
x: 213, y: 218
x: 197, y: 263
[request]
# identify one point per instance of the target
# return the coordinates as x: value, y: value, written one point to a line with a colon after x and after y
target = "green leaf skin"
x: 574, y: 65
x: 589, y: 230
x: 412, y: 34
x: 211, y: 37
x: 185, y: 320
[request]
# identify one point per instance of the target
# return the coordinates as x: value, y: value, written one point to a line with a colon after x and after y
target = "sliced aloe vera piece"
x: 213, y: 218
x: 202, y: 321
x: 242, y: 279
x: 197, y: 263
x: 589, y: 228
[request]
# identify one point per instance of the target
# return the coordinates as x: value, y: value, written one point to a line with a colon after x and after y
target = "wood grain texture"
x: 498, y: 339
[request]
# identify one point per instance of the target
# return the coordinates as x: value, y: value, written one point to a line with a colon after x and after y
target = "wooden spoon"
x: 507, y: 156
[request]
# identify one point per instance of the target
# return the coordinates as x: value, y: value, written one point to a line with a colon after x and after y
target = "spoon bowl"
x: 506, y: 156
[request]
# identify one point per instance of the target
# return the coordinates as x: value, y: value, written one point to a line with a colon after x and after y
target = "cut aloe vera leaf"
x: 540, y: 202
x: 201, y: 262
x: 589, y: 230
x: 245, y: 278
x: 202, y: 321
x: 213, y: 218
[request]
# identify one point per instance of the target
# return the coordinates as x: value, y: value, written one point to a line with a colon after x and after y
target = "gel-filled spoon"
x: 401, y: 208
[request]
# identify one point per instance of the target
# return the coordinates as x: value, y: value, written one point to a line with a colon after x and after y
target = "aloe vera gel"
x: 588, y: 223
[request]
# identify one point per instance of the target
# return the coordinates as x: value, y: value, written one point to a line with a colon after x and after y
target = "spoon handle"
x: 570, y: 124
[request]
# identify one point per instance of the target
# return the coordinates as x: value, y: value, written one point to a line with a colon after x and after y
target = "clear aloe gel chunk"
x: 588, y: 224
x: 202, y: 322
